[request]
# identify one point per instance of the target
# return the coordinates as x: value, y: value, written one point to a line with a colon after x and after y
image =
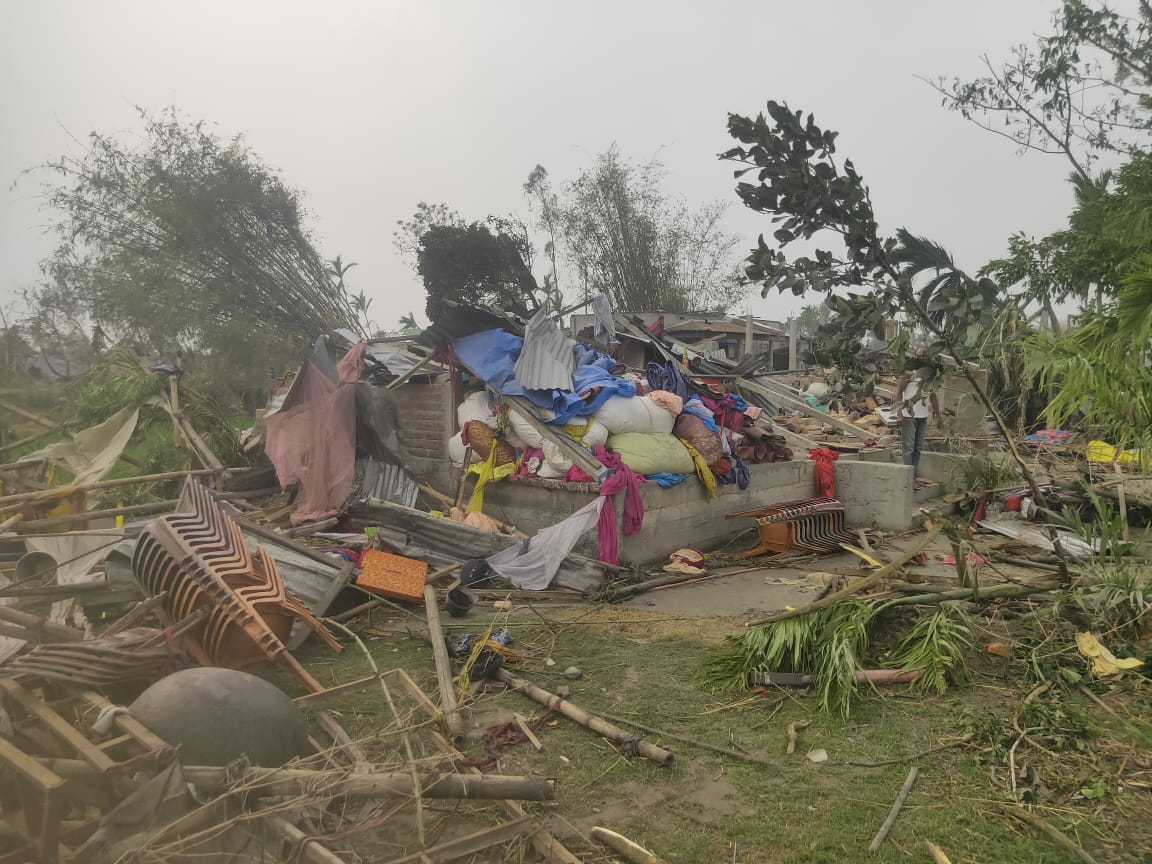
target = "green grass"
x: 711, y: 808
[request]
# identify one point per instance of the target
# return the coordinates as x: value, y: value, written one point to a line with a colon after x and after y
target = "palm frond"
x: 935, y: 648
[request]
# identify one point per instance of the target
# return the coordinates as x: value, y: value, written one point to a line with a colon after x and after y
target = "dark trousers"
x: 912, y: 432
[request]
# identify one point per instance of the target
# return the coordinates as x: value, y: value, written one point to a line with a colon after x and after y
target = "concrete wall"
x: 874, y: 494
x: 427, y: 418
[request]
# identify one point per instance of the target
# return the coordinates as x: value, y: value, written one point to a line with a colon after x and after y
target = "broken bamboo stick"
x: 404, y: 378
x: 890, y: 820
x: 40, y: 627
x: 1003, y: 590
x: 938, y: 856
x: 629, y: 850
x: 28, y: 415
x: 585, y: 718
x: 134, y: 510
x: 271, y: 782
x: 308, y: 848
x: 448, y: 703
x: 626, y: 591
x: 859, y: 585
x: 65, y: 491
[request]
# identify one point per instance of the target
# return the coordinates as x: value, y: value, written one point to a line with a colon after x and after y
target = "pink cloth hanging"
x: 620, y: 479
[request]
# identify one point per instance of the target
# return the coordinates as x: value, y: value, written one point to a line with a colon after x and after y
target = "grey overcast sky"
x: 370, y: 107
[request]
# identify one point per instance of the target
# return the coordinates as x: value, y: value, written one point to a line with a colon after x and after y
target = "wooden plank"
x: 129, y: 725
x: 777, y: 393
x: 64, y: 730
x: 576, y: 453
x: 43, y: 777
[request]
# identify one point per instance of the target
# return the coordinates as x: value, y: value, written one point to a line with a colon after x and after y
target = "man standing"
x: 912, y: 411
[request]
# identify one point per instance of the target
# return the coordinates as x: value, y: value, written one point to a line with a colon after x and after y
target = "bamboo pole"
x: 28, y: 415
x: 859, y: 585
x: 64, y: 491
x: 1003, y: 590
x: 13, y: 445
x: 629, y: 850
x: 584, y: 718
x: 40, y: 626
x: 448, y: 703
x: 404, y: 378
x: 135, y: 510
x: 310, y: 848
x: 265, y: 782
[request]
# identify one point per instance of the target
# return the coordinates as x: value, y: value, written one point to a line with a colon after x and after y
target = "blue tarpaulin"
x: 492, y: 356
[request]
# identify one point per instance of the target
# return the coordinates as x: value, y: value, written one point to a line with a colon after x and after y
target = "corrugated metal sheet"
x: 384, y: 481
x: 546, y: 361
x: 442, y: 542
x: 460, y: 321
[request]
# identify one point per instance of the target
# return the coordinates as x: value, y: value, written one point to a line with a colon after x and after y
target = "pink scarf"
x: 621, y: 479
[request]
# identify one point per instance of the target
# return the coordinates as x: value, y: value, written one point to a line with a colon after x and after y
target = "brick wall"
x: 427, y: 418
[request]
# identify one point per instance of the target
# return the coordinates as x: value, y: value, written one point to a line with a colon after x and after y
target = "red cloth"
x: 313, y: 439
x: 824, y: 473
x: 621, y: 478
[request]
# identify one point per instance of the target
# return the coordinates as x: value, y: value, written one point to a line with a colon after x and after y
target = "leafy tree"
x: 812, y: 195
x: 624, y: 237
x: 538, y: 188
x: 1099, y: 371
x: 1080, y: 91
x: 479, y: 264
x: 184, y: 240
x: 809, y: 319
x: 406, y: 237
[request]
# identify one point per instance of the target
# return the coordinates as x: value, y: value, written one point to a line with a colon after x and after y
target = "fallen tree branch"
x: 1054, y: 834
x: 878, y: 840
x: 859, y: 585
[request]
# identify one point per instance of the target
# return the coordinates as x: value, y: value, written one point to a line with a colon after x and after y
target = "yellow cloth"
x: 578, y: 430
x: 487, y: 471
x: 1104, y: 662
x: 1104, y: 453
x: 702, y: 470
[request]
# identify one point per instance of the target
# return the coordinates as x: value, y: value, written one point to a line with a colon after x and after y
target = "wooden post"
x: 448, y: 703
x: 174, y: 399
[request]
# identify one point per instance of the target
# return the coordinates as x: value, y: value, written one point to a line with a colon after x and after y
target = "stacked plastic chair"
x: 198, y: 558
x: 811, y: 525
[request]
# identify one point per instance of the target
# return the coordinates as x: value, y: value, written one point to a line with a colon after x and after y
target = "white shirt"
x: 918, y: 408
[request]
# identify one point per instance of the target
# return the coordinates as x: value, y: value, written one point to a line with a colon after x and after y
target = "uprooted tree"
x: 186, y: 241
